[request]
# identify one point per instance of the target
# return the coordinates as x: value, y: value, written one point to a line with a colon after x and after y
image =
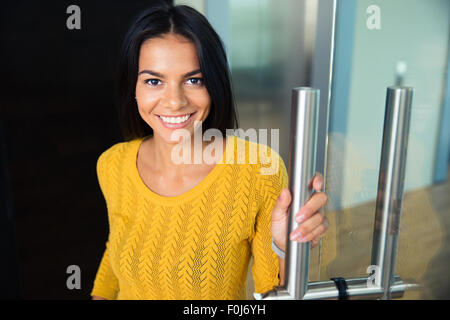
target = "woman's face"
x: 170, y: 92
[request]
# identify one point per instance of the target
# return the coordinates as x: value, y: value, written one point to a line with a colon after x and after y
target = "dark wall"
x: 57, y: 116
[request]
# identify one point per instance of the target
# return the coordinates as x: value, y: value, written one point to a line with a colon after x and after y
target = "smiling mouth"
x: 176, y: 119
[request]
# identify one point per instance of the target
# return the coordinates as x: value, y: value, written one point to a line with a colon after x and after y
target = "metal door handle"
x: 303, y: 137
x: 301, y: 170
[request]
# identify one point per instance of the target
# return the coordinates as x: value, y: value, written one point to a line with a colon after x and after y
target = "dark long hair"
x: 189, y: 23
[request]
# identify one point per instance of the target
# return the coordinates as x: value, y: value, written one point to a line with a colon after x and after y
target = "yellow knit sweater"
x: 193, y: 246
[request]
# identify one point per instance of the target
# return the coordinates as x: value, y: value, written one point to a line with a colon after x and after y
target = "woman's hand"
x: 312, y: 224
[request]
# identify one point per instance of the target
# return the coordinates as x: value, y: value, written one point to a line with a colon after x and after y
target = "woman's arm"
x: 106, y: 283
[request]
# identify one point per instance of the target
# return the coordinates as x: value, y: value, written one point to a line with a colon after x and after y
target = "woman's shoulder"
x: 265, y: 157
x: 118, y: 150
x: 264, y: 163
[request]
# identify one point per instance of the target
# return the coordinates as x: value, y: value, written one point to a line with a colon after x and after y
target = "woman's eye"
x: 196, y: 81
x: 153, y: 82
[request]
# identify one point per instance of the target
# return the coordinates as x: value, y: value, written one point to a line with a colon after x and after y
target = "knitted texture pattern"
x: 196, y: 245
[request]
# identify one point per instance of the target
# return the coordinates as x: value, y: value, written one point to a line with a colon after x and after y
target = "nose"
x: 174, y: 97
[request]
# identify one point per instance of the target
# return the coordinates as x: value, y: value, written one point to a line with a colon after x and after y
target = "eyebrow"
x: 157, y: 74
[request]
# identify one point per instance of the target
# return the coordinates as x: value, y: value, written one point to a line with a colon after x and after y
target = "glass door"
x: 380, y: 43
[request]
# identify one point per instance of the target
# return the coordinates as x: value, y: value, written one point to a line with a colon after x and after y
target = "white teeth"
x: 175, y: 119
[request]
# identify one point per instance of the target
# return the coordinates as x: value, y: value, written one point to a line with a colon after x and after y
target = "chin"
x: 170, y: 141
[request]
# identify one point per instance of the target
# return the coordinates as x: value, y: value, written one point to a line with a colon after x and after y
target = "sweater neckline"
x: 172, y: 200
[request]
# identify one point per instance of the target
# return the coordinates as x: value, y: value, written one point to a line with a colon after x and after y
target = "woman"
x: 187, y: 230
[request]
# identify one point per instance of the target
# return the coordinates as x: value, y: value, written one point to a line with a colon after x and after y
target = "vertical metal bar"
x: 301, y: 170
x: 391, y: 184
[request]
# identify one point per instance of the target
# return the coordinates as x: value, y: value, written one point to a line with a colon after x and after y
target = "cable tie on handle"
x: 341, y: 285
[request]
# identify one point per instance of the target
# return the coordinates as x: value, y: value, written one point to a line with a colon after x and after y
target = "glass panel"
x: 380, y: 43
